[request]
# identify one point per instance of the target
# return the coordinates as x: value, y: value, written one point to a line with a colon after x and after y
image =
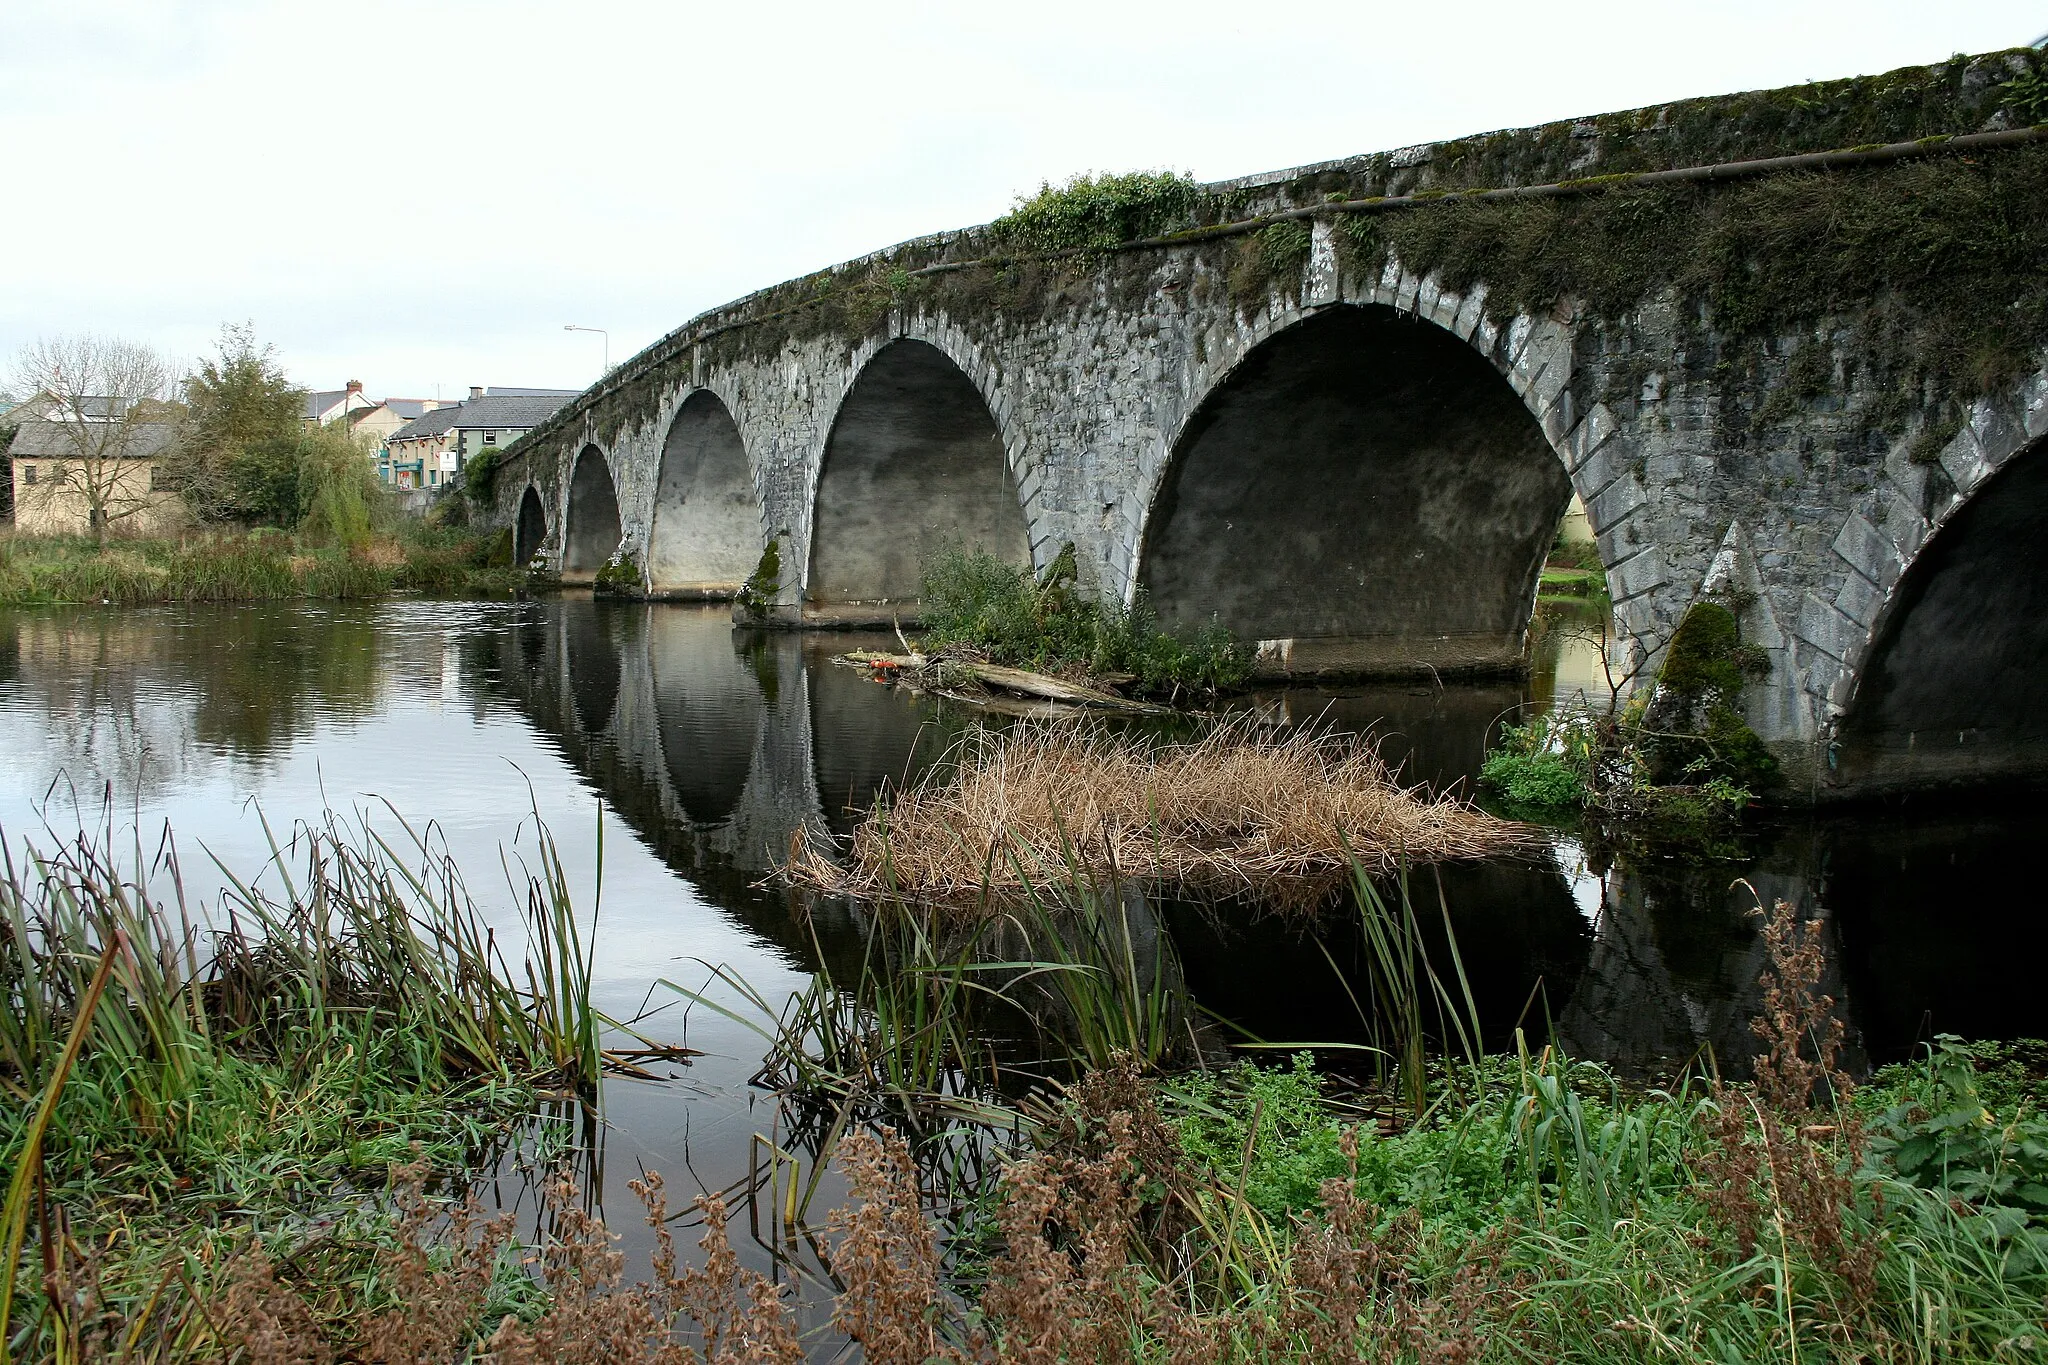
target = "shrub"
x: 1098, y: 212
x: 977, y: 600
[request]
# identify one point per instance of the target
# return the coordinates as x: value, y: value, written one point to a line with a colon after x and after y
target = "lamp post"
x: 572, y: 327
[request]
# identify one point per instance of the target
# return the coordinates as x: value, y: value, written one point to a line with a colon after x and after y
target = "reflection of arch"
x: 594, y: 666
x: 707, y: 707
x: 593, y: 521
x: 861, y: 740
x: 530, y: 532
x: 707, y: 521
x: 914, y: 461
x: 1951, y: 689
x: 1366, y: 486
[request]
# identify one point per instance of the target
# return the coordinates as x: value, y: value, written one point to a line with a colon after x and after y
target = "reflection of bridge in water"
x: 717, y: 745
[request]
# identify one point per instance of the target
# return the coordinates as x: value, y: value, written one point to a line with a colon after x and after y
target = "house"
x: 432, y: 449
x: 62, y: 468
x: 324, y: 405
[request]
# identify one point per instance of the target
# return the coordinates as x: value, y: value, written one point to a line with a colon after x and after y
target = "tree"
x: 242, y: 432
x: 100, y: 412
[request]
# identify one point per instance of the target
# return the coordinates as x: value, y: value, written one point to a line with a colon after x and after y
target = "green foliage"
x: 340, y: 497
x: 258, y: 483
x: 618, y: 576
x: 1941, y: 1134
x: 1543, y: 766
x: 1695, y: 733
x: 1269, y: 1128
x: 1272, y: 257
x: 1098, y: 212
x: 1014, y: 618
x: 764, y: 584
x: 246, y: 568
x: 480, y: 474
x: 2026, y: 96
x: 243, y: 417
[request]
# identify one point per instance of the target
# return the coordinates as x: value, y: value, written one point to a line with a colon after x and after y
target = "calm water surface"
x: 697, y: 751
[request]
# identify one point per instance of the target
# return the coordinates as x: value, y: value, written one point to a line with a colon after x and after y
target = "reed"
x: 189, y: 1075
x: 1230, y: 813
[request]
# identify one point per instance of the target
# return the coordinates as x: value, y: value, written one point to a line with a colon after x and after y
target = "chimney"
x: 476, y: 391
x: 355, y: 386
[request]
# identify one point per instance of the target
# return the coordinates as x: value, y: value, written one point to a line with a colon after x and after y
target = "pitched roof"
x: 410, y: 408
x: 492, y: 412
x: 533, y: 393
x: 428, y: 424
x: 522, y: 411
x: 40, y: 440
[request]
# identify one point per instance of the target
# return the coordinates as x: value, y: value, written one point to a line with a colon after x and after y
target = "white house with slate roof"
x: 431, y: 450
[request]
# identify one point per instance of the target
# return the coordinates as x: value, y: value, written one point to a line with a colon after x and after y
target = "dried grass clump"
x: 1231, y: 813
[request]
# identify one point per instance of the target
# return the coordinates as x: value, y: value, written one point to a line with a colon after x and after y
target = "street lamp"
x: 572, y: 327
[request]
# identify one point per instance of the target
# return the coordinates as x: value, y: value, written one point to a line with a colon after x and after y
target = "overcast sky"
x: 420, y: 193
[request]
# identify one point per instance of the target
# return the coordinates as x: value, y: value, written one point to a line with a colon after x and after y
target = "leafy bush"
x: 1014, y: 618
x: 1544, y: 765
x: 1098, y: 212
x: 1296, y: 1145
x: 1941, y: 1134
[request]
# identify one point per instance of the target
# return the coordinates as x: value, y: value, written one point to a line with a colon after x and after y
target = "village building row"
x: 431, y: 449
x: 67, y: 459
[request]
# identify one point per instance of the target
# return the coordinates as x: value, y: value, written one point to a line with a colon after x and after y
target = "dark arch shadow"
x: 914, y: 462
x: 1953, y: 691
x: 593, y: 530
x: 864, y: 737
x: 707, y: 708
x: 707, y: 521
x: 1366, y: 486
x: 530, y: 532
x: 595, y: 667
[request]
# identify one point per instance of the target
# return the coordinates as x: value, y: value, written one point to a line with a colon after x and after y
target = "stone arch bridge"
x: 1339, y: 445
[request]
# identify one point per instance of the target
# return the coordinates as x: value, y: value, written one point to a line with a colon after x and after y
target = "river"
x: 688, y: 753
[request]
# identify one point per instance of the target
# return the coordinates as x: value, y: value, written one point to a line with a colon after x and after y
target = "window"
x: 490, y: 438
x: 28, y: 473
x: 149, y: 480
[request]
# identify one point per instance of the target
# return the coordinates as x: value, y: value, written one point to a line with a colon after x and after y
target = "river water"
x: 689, y: 753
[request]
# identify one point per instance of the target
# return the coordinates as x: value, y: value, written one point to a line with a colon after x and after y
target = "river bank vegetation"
x: 255, y: 565
x: 975, y: 606
x: 203, y: 1104
x: 262, y: 1158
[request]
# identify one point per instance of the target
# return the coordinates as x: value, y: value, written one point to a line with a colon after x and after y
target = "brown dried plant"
x: 888, y: 1258
x: 1781, y: 1163
x: 1235, y: 812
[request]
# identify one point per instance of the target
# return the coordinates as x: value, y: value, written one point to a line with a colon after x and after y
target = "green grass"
x: 181, y: 1085
x: 1014, y: 618
x: 249, y: 567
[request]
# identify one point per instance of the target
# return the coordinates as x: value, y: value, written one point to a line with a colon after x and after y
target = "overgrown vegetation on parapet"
x: 1097, y: 212
x: 1008, y: 615
x: 1940, y: 263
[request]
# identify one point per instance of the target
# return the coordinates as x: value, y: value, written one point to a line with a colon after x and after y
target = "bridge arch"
x: 591, y: 525
x: 706, y: 529
x: 530, y: 528
x: 914, y: 460
x: 1364, y: 488
x: 1947, y: 690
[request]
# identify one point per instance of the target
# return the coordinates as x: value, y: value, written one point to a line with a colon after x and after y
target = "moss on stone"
x: 1696, y: 732
x: 764, y: 585
x: 619, y: 576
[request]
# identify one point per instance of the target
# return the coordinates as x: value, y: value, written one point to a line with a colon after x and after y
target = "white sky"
x: 420, y: 193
